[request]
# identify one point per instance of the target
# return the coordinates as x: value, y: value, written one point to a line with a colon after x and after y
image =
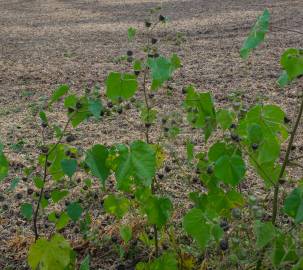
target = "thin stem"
x: 44, y: 179
x: 285, y: 162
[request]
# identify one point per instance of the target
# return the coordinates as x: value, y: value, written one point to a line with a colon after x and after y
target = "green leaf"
x: 14, y: 183
x: 3, y: 164
x: 126, y: 233
x: 225, y: 118
x: 158, y: 210
x: 190, y: 150
x: 58, y: 195
x: 62, y: 221
x: 38, y: 181
x: 167, y: 261
x: 197, y: 227
x: 200, y: 111
x: 139, y: 161
x: 95, y: 107
x: 80, y: 114
x: 120, y: 85
x: 265, y: 233
x: 293, y: 205
x: 59, y: 92
x: 85, y: 263
x: 292, y: 62
x: 230, y: 169
x: 50, y: 255
x: 131, y: 33
x: 70, y: 101
x: 96, y: 160
x: 74, y: 211
x: 69, y: 166
x: 283, y: 80
x: 256, y: 35
x: 27, y: 210
x: 43, y: 117
x: 162, y: 69
x: 116, y: 205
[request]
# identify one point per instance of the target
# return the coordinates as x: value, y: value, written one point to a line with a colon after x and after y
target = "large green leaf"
x: 293, y: 205
x: 167, y: 261
x: 116, y: 205
x: 201, y: 111
x: 158, y: 210
x: 265, y: 233
x: 139, y: 162
x: 3, y: 164
x: 292, y: 62
x: 120, y: 85
x: 96, y: 160
x: 27, y: 210
x: 197, y: 227
x: 162, y: 69
x: 50, y: 255
x: 256, y: 35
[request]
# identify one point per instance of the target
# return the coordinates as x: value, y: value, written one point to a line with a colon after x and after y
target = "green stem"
x: 285, y: 163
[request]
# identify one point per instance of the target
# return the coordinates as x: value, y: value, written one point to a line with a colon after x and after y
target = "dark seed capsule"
x: 44, y: 125
x: 154, y: 40
x: 224, y: 245
x: 236, y: 213
x: 235, y: 137
x: 151, y: 95
x: 102, y: 113
x: 210, y: 169
x: 57, y: 215
x: 120, y: 110
x: 71, y: 110
x: 293, y: 147
x: 160, y: 175
x: 147, y: 125
x: 254, y: 146
x: 24, y: 179
x: 110, y: 104
x: 150, y: 55
x: 156, y: 55
x: 137, y: 72
x: 161, y: 18
x: 195, y: 180
x: 78, y: 105
x: 19, y: 196
x: 147, y: 24
x: 48, y: 164
x: 47, y: 195
x: 286, y: 120
x: 44, y: 149
x: 184, y: 90
x: 129, y: 53
x: 5, y: 207
x: 127, y: 106
x: 130, y: 59
x: 70, y: 138
x: 167, y: 169
x: 224, y: 225
x: 166, y: 129
x: 233, y: 125
x: 30, y: 191
x: 114, y: 239
x: 164, y: 121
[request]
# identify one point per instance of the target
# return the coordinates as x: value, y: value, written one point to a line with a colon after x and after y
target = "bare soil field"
x: 45, y: 43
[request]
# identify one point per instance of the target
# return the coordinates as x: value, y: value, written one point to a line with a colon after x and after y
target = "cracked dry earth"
x: 48, y: 42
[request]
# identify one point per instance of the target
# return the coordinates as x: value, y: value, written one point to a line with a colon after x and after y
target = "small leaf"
x: 74, y: 211
x: 283, y: 80
x: 43, y: 117
x: 69, y: 166
x: 96, y: 160
x: 59, y: 92
x: 27, y: 210
x: 292, y: 62
x: 126, y: 233
x: 131, y: 33
x: 14, y: 183
x: 62, y: 221
x: 256, y: 35
x: 3, y: 164
x: 38, y: 181
x: 95, y: 107
x: 293, y: 205
x: 225, y: 118
x: 116, y: 205
x: 58, y: 195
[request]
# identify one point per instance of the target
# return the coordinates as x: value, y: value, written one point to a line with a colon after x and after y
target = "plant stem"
x: 285, y: 163
x: 44, y: 179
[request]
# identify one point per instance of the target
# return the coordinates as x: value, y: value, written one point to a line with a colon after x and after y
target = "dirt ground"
x: 48, y: 42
